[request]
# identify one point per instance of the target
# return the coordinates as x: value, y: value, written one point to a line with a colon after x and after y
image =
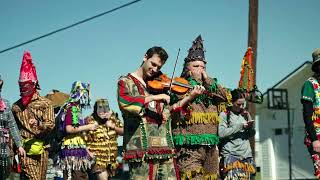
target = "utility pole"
x: 252, y: 42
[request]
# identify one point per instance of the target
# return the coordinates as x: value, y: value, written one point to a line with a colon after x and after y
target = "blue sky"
x: 103, y: 49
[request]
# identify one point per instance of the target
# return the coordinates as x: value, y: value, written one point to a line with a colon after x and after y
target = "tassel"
x: 239, y: 165
x: 204, y: 118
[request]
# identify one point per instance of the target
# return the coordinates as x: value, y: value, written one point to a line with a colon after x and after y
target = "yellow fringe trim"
x: 211, y: 176
x: 204, y: 118
x: 104, y: 165
x: 315, y: 115
x: 222, y: 107
x: 76, y: 140
x: 316, y: 111
x: 229, y: 98
x: 190, y: 174
x: 239, y: 165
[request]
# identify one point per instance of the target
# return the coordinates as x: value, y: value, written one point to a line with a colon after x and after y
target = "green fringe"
x: 75, y: 111
x: 214, y: 86
x: 173, y: 98
x: 144, y: 136
x: 203, y: 98
x: 169, y: 135
x: 196, y: 139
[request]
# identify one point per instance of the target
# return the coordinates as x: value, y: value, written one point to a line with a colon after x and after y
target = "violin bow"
x: 174, y: 70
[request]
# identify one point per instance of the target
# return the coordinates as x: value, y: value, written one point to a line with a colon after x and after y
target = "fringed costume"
x: 195, y: 126
x: 103, y: 141
x: 147, y: 142
x: 35, y: 119
x: 74, y: 159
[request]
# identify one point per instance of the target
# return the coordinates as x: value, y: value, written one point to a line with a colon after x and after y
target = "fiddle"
x: 163, y: 83
x: 179, y: 86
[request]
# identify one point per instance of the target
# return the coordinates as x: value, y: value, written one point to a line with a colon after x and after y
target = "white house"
x: 272, y: 139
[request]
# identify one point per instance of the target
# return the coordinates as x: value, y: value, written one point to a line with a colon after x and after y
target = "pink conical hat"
x: 28, y: 70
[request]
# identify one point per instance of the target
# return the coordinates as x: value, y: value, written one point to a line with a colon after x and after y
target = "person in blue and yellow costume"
x: 74, y: 157
x: 102, y: 142
x: 194, y: 125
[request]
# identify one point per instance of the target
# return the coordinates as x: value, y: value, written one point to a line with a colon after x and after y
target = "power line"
x: 70, y: 26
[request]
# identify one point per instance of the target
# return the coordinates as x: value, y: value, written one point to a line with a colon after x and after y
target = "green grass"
x: 258, y: 176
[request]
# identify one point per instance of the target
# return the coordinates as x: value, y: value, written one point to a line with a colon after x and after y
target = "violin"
x: 179, y: 86
x: 163, y: 83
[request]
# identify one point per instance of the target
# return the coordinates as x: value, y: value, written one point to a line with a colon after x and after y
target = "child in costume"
x: 102, y: 142
x: 75, y: 158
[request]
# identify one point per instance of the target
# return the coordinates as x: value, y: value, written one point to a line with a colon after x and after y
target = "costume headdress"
x: 196, y: 52
x: 315, y: 58
x: 80, y: 92
x: 101, y: 105
x: 28, y: 80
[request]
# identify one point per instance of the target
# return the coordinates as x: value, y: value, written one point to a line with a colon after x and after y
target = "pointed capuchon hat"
x: 28, y: 70
x: 196, y: 52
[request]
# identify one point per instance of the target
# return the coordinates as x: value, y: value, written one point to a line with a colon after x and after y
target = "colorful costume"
x: 74, y: 159
x: 195, y: 126
x: 147, y: 140
x: 7, y: 126
x: 33, y: 107
x: 310, y: 99
x: 103, y: 141
x: 237, y: 159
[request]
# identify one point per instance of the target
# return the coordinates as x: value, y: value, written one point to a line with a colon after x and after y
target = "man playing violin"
x: 147, y: 141
x: 194, y: 125
x: 148, y: 145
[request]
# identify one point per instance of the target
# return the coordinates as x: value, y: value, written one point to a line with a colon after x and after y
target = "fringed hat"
x: 28, y: 70
x: 315, y: 58
x: 196, y: 52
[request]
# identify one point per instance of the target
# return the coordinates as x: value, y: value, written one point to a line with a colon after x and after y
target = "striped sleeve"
x: 48, y: 122
x: 127, y: 100
x: 14, y: 131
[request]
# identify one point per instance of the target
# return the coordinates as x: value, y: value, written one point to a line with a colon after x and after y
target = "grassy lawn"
x: 258, y: 176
